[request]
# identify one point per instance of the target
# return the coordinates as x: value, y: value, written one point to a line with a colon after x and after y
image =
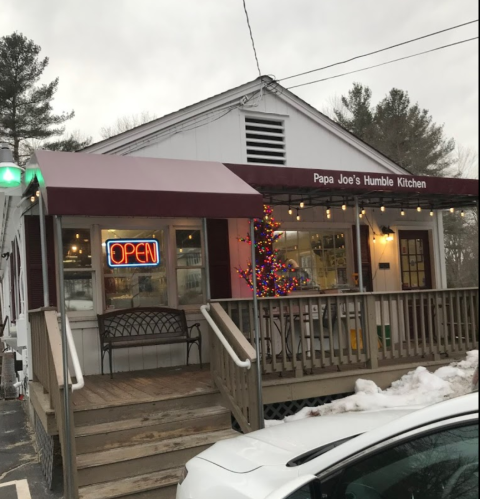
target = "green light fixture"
x: 10, y: 173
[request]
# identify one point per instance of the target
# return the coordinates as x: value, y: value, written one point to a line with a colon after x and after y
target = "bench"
x: 146, y: 326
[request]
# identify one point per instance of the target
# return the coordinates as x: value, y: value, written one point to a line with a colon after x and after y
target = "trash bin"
x: 387, y: 335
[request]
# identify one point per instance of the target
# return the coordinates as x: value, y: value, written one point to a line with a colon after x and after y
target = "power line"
x: 384, y: 63
x: 378, y: 51
x: 251, y: 38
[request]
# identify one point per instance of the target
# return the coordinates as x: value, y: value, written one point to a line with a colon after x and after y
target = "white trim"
x: 120, y: 143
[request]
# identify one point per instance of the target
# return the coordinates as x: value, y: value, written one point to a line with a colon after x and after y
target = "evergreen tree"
x: 271, y: 273
x: 402, y: 131
x: 25, y: 105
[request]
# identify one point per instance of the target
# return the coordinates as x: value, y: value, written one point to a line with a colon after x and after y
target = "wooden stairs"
x: 137, y: 449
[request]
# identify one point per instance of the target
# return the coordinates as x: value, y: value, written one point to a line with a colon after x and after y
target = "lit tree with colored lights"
x: 273, y: 277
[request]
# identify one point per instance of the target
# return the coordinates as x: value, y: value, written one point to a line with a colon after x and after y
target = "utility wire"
x: 251, y: 37
x: 384, y: 63
x: 380, y: 50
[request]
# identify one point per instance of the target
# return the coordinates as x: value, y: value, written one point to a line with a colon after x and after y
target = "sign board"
x: 132, y: 253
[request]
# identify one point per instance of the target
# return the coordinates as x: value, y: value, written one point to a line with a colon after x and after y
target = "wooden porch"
x: 137, y: 430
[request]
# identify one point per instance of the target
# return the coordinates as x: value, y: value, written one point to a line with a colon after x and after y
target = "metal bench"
x: 146, y: 326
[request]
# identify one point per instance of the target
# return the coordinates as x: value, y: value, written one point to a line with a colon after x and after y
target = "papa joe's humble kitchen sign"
x: 132, y: 253
x: 369, y: 180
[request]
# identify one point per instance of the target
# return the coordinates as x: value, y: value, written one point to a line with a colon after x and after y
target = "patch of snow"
x: 417, y: 389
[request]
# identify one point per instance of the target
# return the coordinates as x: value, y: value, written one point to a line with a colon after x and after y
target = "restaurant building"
x: 154, y: 216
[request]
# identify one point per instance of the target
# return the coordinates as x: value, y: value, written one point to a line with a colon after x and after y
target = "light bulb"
x: 298, y: 216
x: 32, y: 199
x: 374, y: 240
x: 190, y: 236
x: 419, y: 208
x: 389, y: 237
x: 431, y: 213
x: 37, y: 194
x: 382, y: 208
x: 329, y: 211
x: 462, y: 213
x: 289, y: 210
x: 74, y: 248
x: 452, y: 210
x: 302, y: 204
x: 329, y: 215
x: 360, y: 215
x: 363, y: 211
x: 344, y: 207
x: 402, y: 212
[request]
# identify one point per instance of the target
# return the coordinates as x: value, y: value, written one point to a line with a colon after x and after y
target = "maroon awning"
x: 281, y: 182
x: 109, y: 185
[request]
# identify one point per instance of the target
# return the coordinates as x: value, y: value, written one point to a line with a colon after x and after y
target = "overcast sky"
x: 118, y: 57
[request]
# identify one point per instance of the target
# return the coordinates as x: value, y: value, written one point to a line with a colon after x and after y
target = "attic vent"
x: 265, y: 141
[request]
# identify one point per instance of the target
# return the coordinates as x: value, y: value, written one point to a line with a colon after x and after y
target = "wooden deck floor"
x: 143, y: 386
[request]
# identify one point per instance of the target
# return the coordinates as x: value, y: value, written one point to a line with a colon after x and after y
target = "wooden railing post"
x: 371, y: 331
x: 253, y: 410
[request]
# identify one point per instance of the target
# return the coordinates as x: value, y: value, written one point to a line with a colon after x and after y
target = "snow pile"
x: 417, y: 388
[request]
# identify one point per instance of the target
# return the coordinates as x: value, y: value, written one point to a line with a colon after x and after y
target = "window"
x: 78, y: 272
x: 437, y: 465
x: 189, y: 266
x: 265, y: 140
x: 127, y: 287
x: 318, y: 259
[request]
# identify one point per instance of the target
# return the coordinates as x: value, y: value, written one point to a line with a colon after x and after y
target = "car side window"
x: 440, y: 465
x: 305, y: 492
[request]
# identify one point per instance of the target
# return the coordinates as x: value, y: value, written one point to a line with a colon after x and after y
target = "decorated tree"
x: 273, y: 277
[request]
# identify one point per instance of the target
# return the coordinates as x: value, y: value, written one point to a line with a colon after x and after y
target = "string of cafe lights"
x: 362, y: 210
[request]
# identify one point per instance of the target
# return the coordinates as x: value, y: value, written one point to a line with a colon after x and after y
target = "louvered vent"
x: 265, y: 141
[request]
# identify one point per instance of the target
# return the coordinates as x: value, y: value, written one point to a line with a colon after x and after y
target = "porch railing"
x: 238, y: 385
x: 48, y: 370
x: 301, y: 333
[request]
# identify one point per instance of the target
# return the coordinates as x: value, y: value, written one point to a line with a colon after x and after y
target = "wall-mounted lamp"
x: 388, y: 233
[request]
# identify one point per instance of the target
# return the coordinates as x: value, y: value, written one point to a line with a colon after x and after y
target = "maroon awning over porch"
x: 278, y: 184
x: 108, y: 185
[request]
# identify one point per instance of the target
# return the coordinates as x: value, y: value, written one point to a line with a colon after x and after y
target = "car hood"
x: 279, y: 444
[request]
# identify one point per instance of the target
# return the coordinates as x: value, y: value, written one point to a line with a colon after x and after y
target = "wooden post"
x: 371, y: 333
x: 254, y: 410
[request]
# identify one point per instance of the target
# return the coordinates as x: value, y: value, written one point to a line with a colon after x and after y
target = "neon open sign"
x: 132, y: 253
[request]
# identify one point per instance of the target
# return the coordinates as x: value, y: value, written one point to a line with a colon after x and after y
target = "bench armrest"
x: 197, y: 327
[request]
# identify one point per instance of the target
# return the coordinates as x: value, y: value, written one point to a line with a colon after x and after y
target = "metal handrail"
x: 75, y: 361
x: 240, y: 363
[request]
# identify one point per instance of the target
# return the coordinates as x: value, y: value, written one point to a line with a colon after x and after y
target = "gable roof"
x: 236, y: 97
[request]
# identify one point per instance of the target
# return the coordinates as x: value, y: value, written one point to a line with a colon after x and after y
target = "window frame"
x: 175, y: 267
x: 409, y: 435
x: 323, y: 227
x: 92, y: 270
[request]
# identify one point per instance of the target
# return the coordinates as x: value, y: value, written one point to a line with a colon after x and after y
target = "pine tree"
x: 271, y: 273
x: 402, y: 131
x: 25, y: 106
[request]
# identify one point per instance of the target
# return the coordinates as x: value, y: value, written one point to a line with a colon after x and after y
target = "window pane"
x: 319, y: 257
x: 78, y: 291
x: 127, y: 287
x: 442, y: 464
x: 76, y: 248
x: 189, y: 248
x: 190, y: 286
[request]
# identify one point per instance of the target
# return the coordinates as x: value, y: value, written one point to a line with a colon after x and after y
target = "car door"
x: 439, y: 461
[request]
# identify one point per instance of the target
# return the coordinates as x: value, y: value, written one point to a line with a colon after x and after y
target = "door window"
x: 415, y: 259
x: 441, y: 465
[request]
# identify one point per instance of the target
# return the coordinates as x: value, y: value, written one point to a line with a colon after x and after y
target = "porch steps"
x: 155, y: 426
x: 158, y: 485
x: 137, y: 449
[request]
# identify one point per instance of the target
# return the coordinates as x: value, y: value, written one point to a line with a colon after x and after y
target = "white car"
x: 429, y: 453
